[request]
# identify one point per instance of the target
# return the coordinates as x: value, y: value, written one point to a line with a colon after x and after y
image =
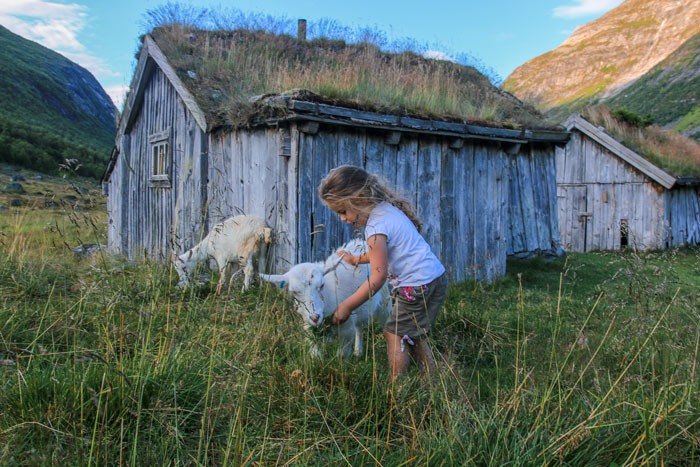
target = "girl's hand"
x: 341, y: 314
x: 347, y: 256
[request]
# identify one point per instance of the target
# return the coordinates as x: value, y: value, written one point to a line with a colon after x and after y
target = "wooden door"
x: 573, y: 217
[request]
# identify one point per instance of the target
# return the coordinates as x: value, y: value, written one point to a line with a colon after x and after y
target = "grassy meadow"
x: 591, y: 359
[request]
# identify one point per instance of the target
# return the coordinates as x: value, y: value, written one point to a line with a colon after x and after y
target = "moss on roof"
x: 675, y: 154
x: 223, y: 69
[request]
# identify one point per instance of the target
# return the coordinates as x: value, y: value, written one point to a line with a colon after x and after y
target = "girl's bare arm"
x: 353, y: 259
x: 378, y: 260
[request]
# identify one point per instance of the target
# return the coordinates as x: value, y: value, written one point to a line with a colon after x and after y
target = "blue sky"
x: 102, y: 35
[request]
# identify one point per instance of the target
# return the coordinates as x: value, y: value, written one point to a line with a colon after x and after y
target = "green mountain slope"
x: 669, y: 93
x: 51, y: 109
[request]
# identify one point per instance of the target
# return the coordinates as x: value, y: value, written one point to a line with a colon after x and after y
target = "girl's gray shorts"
x: 414, y: 309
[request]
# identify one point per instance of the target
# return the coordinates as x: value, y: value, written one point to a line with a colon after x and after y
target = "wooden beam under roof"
x: 326, y: 113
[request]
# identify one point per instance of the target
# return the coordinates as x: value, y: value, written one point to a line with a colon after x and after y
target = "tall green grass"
x: 586, y: 360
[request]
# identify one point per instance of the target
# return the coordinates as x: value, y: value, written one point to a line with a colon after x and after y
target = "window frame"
x: 160, y: 158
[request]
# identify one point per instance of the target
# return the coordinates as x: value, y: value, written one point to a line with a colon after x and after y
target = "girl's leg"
x: 398, y: 360
x: 423, y: 354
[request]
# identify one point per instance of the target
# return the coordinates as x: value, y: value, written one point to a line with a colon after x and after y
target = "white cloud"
x: 585, y: 8
x: 438, y: 55
x: 55, y: 26
x: 117, y: 93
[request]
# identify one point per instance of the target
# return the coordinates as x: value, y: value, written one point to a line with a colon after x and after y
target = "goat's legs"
x: 225, y: 278
x: 220, y: 284
x: 248, y: 270
x: 358, y: 341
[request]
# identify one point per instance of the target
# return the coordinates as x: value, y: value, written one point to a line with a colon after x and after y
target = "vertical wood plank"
x: 481, y: 185
x: 428, y: 189
x: 351, y: 151
x: 305, y: 217
x: 325, y: 228
x: 374, y: 154
x: 449, y: 218
x: 405, y: 169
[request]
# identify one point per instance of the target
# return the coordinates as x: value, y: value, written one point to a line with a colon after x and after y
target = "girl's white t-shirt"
x: 411, y: 261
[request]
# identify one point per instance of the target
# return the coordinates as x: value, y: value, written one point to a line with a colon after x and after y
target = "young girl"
x: 396, y: 252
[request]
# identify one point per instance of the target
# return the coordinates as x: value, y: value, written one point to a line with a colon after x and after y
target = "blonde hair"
x: 354, y: 187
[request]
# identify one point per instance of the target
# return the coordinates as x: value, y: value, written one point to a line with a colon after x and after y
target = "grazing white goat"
x: 318, y: 288
x: 234, y: 243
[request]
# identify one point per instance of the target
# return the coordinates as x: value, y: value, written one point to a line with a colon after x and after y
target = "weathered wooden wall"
x: 460, y: 195
x: 248, y: 174
x: 532, y: 202
x: 117, y: 189
x: 683, y: 216
x: 597, y: 191
x: 152, y: 219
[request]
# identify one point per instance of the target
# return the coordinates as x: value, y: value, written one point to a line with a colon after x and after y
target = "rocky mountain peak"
x: 604, y: 56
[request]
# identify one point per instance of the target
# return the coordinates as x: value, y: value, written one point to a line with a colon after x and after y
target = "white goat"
x: 234, y: 243
x: 318, y: 288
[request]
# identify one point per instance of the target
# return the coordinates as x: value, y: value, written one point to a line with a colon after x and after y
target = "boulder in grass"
x: 88, y: 249
x: 14, y: 187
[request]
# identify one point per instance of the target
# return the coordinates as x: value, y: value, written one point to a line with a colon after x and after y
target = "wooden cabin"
x: 610, y: 197
x: 482, y: 192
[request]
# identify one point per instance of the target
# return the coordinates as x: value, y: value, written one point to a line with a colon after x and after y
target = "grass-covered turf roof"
x: 223, y: 69
x: 674, y: 153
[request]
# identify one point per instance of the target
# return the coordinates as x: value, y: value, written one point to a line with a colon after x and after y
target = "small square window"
x: 160, y: 160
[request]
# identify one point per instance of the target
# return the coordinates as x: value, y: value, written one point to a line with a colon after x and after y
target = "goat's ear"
x: 334, y: 265
x: 280, y: 280
x: 267, y: 235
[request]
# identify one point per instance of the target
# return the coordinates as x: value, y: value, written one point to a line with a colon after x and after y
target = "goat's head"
x: 266, y: 235
x: 183, y: 267
x: 304, y: 282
